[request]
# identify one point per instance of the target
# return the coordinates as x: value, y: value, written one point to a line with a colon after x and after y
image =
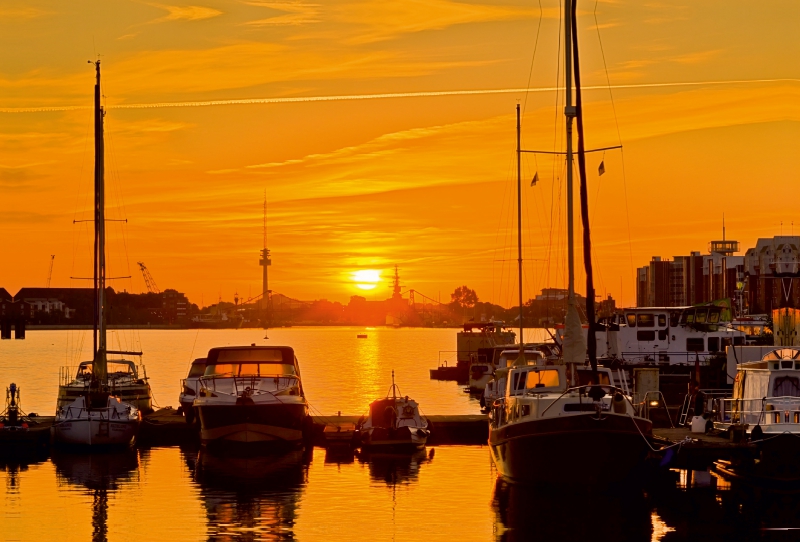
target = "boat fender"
x: 619, y: 404
x: 408, y: 410
x: 757, y: 433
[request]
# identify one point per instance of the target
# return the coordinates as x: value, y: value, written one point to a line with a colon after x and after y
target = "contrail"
x: 346, y: 97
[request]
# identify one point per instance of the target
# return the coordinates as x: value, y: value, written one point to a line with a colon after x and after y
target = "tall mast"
x: 99, y: 369
x: 569, y: 113
x: 519, y: 227
x: 574, y: 345
x: 587, y: 237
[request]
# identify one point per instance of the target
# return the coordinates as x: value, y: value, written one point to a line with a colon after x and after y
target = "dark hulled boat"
x: 250, y: 397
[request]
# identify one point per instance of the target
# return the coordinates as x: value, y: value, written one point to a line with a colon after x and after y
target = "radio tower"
x: 265, y: 262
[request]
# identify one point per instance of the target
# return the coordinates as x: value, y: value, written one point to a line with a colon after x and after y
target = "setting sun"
x: 366, y: 279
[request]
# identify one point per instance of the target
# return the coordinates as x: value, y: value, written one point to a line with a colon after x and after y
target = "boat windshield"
x: 250, y: 369
x: 585, y: 378
x: 247, y: 355
x: 547, y: 378
x: 197, y: 370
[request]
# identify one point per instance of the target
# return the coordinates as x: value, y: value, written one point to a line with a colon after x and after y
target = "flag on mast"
x: 602, y: 168
x: 535, y: 179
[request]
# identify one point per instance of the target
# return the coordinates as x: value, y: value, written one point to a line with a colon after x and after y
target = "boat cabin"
x: 253, y: 361
x: 117, y: 370
x: 766, y: 392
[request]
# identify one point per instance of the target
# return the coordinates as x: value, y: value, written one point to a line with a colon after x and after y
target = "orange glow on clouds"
x: 427, y: 182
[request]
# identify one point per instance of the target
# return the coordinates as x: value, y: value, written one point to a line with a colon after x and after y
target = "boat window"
x: 631, y: 319
x: 674, y: 318
x: 249, y: 369
x: 662, y: 320
x: 700, y: 316
x: 662, y: 334
x: 197, y: 370
x: 585, y: 378
x: 695, y: 345
x: 542, y: 379
x: 687, y: 317
x: 521, y: 382
x: 713, y: 317
x: 786, y: 386
x: 251, y: 355
x: 645, y: 320
x: 713, y: 344
x: 738, y: 341
x: 222, y: 369
x: 645, y: 335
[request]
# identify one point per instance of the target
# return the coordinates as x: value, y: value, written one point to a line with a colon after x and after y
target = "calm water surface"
x: 448, y: 493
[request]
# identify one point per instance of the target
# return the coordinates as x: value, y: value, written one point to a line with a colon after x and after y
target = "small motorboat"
x: 393, y: 423
x: 20, y: 432
x: 361, y: 336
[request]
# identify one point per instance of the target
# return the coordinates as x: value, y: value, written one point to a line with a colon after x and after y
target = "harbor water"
x: 442, y: 493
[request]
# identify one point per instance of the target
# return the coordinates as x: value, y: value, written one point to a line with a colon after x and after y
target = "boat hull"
x: 402, y: 438
x: 95, y: 432
x: 137, y: 395
x: 270, y: 425
x: 581, y: 448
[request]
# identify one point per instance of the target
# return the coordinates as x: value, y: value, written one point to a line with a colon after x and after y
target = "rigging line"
x: 621, y: 151
x: 533, y: 57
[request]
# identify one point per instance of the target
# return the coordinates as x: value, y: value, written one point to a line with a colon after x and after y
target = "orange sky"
x: 423, y: 182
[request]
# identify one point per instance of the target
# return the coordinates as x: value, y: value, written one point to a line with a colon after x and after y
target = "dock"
x: 698, y: 451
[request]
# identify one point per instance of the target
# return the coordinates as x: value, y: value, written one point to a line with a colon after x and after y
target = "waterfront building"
x: 772, y: 271
x: 692, y: 279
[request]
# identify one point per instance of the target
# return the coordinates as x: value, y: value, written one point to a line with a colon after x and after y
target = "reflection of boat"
x: 99, y: 473
x: 523, y: 513
x: 94, y: 415
x: 393, y: 468
x: 473, y: 345
x: 190, y: 387
x: 251, y: 498
x: 252, y: 395
x: 394, y: 422
x: 766, y: 404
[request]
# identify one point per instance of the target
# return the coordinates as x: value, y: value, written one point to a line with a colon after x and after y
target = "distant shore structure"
x: 265, y: 262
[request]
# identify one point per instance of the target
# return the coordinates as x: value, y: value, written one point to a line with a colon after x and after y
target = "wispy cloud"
x: 22, y: 13
x: 393, y: 95
x: 697, y: 57
x: 186, y: 13
x: 296, y: 13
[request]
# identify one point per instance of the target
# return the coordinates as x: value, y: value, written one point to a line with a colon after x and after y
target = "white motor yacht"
x: 394, y: 423
x: 252, y: 395
x: 766, y: 405
x: 94, y: 415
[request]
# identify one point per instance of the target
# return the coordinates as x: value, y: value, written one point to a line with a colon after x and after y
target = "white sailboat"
x: 96, y: 416
x: 566, y: 422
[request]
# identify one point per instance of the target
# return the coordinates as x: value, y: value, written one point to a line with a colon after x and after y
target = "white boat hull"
x: 95, y: 432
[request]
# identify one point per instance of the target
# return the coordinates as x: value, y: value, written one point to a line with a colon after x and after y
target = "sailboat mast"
x: 587, y: 238
x: 99, y: 368
x: 519, y: 225
x: 569, y: 113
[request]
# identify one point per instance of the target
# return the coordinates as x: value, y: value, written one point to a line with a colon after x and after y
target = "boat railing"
x: 69, y: 375
x: 192, y: 384
x: 582, y: 391
x: 764, y: 411
x: 654, y: 399
x: 247, y: 385
x: 75, y: 413
x: 668, y: 357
